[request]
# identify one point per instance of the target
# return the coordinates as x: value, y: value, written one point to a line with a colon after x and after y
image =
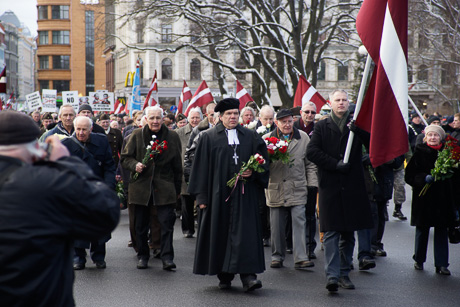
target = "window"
x: 43, y: 37
x: 140, y: 25
x: 166, y: 36
x: 446, y: 74
x: 44, y: 84
x: 342, y: 72
x: 60, y: 12
x: 422, y: 73
x: 195, y: 33
x: 61, y: 85
x: 410, y: 74
x: 195, y: 69
x: 422, y: 41
x: 42, y: 12
x: 61, y: 37
x: 61, y: 62
x: 240, y: 65
x: 89, y: 51
x: 43, y: 62
x: 321, y: 76
x: 166, y: 69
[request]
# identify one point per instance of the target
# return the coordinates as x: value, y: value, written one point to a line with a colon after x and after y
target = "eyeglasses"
x: 309, y: 112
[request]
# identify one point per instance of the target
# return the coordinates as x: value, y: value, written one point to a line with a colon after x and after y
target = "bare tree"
x: 270, y: 39
x: 436, y: 25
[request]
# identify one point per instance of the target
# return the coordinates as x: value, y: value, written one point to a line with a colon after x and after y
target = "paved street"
x: 394, y: 282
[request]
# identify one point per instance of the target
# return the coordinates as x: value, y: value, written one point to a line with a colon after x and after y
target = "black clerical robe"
x: 229, y: 232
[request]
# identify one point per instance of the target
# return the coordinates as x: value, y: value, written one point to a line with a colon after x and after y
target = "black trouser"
x: 188, y: 218
x: 310, y: 215
x: 379, y: 227
x: 264, y: 215
x: 166, y: 218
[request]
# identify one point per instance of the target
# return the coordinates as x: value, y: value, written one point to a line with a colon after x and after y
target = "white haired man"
x: 157, y: 186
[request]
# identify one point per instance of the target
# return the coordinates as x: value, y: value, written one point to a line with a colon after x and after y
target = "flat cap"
x: 227, y: 104
x: 283, y: 113
x: 17, y: 128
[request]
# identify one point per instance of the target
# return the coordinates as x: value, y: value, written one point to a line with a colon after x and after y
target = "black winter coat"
x: 43, y: 209
x: 343, y: 200
x: 436, y: 207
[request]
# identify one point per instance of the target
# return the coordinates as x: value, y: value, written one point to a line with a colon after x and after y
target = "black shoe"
x: 78, y: 266
x: 266, y: 242
x: 399, y: 215
x: 156, y: 253
x: 288, y: 250
x: 142, y: 263
x: 101, y: 264
x: 225, y: 285
x: 442, y: 270
x: 381, y: 253
x: 418, y: 266
x: 168, y: 265
x: 252, y: 285
x: 346, y: 283
x: 304, y: 264
x: 366, y: 264
x: 332, y: 284
x: 188, y: 235
x: 312, y: 255
x: 275, y: 264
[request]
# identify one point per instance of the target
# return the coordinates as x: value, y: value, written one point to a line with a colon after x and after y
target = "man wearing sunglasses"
x: 307, y: 121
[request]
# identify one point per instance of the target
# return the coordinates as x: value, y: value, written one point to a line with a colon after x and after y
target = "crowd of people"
x: 167, y: 166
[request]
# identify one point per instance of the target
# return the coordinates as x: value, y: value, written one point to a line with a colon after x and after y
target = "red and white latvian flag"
x: 153, y: 88
x: 382, y: 27
x: 202, y: 97
x: 306, y: 92
x: 242, y: 95
x: 119, y: 107
x: 185, y: 95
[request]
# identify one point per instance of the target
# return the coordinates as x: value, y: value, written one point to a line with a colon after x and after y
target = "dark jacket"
x: 165, y: 171
x: 184, y: 135
x: 43, y: 209
x: 308, y: 129
x: 436, y: 207
x: 343, y: 201
x: 189, y: 152
x: 96, y: 153
x: 116, y: 141
x: 58, y: 129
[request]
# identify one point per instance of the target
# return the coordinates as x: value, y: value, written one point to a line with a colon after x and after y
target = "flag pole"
x: 358, y: 106
x: 417, y: 110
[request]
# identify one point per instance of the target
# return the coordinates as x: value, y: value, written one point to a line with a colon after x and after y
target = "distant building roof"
x: 10, y: 17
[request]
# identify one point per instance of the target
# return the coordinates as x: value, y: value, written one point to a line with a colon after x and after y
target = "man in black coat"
x: 343, y: 203
x: 94, y: 150
x: 52, y: 201
x: 114, y: 136
x: 229, y: 239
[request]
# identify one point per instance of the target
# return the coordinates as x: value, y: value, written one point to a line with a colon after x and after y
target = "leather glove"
x: 352, y: 126
x: 429, y: 179
x: 342, y: 167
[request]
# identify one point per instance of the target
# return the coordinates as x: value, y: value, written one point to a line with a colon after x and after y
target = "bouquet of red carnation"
x: 447, y: 160
x: 255, y: 163
x: 277, y: 150
x: 153, y: 149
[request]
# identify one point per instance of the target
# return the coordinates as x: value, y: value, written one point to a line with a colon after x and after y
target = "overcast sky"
x: 25, y: 10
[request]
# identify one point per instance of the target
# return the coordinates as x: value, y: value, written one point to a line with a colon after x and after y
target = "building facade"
x: 70, y: 45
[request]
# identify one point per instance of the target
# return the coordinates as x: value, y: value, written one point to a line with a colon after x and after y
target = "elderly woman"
x: 436, y: 207
x: 247, y: 115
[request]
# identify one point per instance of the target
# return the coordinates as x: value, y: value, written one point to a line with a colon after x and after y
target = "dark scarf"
x: 306, y: 128
x: 340, y: 122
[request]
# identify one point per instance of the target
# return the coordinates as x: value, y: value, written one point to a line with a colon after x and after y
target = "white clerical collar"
x: 232, y: 136
x: 107, y: 131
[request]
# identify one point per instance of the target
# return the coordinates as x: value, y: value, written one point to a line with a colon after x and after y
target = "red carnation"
x: 283, y: 149
x: 273, y: 140
x: 151, y: 155
x: 271, y: 151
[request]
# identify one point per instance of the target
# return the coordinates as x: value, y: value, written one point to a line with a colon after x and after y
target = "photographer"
x: 48, y: 200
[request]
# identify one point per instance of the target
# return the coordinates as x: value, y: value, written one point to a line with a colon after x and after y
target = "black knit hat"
x: 17, y: 128
x: 433, y: 118
x: 85, y: 106
x: 227, y: 104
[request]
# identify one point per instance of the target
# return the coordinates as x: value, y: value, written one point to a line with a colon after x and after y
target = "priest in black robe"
x: 229, y: 237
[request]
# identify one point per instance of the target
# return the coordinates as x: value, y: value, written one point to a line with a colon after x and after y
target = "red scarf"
x: 437, y: 147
